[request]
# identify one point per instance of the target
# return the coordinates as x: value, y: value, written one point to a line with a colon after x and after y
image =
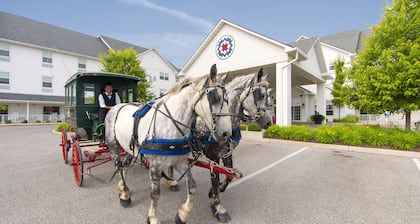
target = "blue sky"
x: 176, y: 28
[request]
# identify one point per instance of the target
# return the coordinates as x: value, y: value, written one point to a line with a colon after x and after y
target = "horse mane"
x: 241, y: 81
x: 195, y: 81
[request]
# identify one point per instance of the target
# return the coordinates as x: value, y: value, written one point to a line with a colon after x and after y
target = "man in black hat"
x: 107, y: 100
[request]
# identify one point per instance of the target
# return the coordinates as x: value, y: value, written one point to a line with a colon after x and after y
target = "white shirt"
x: 102, y: 101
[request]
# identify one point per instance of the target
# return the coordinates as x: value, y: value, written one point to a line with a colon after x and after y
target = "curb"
x: 257, y: 136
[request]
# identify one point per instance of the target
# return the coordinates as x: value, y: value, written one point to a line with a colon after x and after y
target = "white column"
x: 27, y: 111
x: 320, y: 98
x: 283, y: 94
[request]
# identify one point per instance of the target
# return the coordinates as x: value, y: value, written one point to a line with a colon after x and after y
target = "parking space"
x: 283, y: 183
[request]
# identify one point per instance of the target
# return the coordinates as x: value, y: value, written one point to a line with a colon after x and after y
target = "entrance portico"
x: 292, y: 68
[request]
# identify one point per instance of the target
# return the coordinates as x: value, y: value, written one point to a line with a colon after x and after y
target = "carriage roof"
x: 101, y: 76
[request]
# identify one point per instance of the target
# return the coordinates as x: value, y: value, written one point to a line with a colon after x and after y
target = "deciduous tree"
x: 126, y: 62
x: 386, y: 74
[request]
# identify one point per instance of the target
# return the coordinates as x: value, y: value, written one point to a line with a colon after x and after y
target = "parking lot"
x: 283, y: 183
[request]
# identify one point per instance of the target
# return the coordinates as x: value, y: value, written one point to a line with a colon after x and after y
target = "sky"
x: 176, y: 28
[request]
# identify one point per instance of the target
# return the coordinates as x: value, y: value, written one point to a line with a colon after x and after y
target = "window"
x: 46, y: 82
x: 162, y: 92
x: 4, y: 111
x: 332, y: 66
x: 51, y: 110
x: 88, y: 93
x: 164, y: 76
x: 4, y: 78
x: 4, y: 52
x: 295, y: 113
x: 130, y: 95
x: 329, y: 110
x: 81, y: 64
x: 46, y: 58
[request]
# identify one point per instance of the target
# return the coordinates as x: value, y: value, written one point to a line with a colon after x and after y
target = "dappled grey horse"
x: 249, y: 98
x: 163, y: 134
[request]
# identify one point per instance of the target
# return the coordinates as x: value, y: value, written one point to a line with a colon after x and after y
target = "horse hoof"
x: 223, y: 218
x: 178, y: 220
x: 125, y: 203
x: 174, y: 188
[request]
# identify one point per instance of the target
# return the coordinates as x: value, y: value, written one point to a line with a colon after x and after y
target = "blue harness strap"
x: 142, y: 111
x: 167, y: 147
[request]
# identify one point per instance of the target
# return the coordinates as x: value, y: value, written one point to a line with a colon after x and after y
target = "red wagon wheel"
x: 65, y: 145
x: 77, y: 163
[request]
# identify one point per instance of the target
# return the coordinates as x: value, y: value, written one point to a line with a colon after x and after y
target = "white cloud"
x: 177, y: 48
x: 204, y: 24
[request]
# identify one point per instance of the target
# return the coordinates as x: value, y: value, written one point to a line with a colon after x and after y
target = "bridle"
x: 257, y: 94
x: 214, y: 98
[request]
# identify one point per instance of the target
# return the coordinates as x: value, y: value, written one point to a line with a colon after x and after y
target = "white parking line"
x: 417, y: 162
x: 246, y: 178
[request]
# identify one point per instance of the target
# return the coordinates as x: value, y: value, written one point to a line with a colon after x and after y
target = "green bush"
x: 243, y: 127
x: 24, y: 121
x: 347, y: 119
x: 401, y: 139
x: 272, y: 131
x: 8, y: 121
x: 300, y: 133
x: 326, y: 135
x: 62, y: 125
x: 349, y: 135
x: 253, y: 127
x: 374, y: 136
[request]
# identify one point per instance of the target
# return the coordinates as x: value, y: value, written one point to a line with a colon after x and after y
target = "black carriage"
x: 81, y: 112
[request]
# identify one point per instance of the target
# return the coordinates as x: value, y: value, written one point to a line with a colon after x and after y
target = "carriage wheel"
x: 77, y: 158
x: 65, y: 146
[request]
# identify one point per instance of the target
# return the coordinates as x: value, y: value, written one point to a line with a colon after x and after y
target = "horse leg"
x: 172, y: 184
x: 227, y: 162
x: 185, y: 209
x: 155, y: 175
x: 122, y: 189
x: 217, y: 208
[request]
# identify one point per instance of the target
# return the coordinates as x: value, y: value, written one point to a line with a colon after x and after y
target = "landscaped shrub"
x: 8, y: 121
x: 374, y: 136
x: 347, y: 119
x: 243, y: 127
x: 24, y: 121
x: 349, y: 135
x: 401, y: 139
x: 326, y: 135
x: 63, y: 125
x: 300, y: 133
x: 272, y: 131
x: 253, y: 127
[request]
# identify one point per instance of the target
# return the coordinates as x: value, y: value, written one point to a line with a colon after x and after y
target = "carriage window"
x: 123, y: 96
x: 72, y: 95
x: 130, y: 95
x: 88, y: 93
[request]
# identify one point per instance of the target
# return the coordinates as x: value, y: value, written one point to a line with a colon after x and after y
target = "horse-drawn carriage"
x: 81, y: 112
x: 193, y: 117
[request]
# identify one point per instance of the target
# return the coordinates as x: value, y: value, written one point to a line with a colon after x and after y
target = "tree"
x: 386, y: 74
x: 339, y: 89
x: 126, y: 62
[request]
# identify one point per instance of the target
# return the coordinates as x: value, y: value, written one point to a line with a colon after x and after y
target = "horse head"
x: 256, y: 100
x: 213, y: 108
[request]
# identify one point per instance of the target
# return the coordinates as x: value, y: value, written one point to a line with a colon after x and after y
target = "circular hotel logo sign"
x: 224, y: 47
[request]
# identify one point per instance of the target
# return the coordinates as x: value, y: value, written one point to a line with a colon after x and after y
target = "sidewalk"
x: 258, y: 136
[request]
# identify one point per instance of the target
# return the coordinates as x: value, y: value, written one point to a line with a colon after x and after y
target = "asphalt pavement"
x: 284, y: 182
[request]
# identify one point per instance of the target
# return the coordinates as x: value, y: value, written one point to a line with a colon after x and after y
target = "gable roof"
x: 305, y: 44
x: 214, y: 32
x: 120, y: 45
x: 28, y: 31
x: 347, y: 40
x: 173, y: 67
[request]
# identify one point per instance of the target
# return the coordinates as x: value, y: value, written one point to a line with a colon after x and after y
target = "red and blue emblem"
x: 225, y: 47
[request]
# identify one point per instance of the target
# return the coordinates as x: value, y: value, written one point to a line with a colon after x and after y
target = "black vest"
x: 108, y: 102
